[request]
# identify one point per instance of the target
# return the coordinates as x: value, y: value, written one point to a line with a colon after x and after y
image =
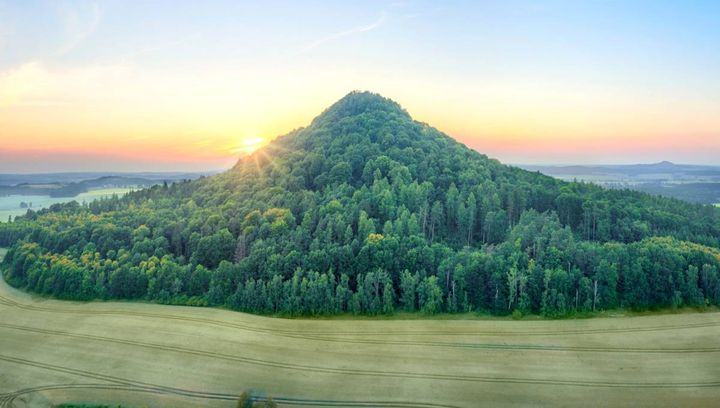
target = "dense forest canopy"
x: 367, y: 211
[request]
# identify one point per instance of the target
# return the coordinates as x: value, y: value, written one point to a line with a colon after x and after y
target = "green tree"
x: 430, y: 295
x: 408, y: 289
x: 388, y: 298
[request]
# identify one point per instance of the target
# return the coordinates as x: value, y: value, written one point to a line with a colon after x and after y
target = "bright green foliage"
x: 366, y: 211
x: 408, y: 289
x: 430, y: 295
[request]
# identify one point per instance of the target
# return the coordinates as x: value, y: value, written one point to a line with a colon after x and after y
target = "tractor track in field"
x: 361, y: 372
x: 7, y: 400
x: 502, y: 347
x: 321, y: 336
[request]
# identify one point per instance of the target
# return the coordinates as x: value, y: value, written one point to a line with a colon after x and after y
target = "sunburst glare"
x: 248, y: 145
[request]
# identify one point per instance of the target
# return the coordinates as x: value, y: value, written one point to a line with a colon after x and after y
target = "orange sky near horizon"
x: 148, y: 117
x: 132, y: 115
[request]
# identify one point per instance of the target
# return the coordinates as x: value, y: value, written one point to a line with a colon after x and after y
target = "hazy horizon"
x: 123, y: 86
x: 120, y: 166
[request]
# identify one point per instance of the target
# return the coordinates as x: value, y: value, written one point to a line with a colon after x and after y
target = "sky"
x: 180, y: 85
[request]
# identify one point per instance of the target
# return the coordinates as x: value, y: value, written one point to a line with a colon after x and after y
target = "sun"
x: 248, y: 145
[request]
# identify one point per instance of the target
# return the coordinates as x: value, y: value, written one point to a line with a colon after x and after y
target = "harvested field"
x: 143, y: 354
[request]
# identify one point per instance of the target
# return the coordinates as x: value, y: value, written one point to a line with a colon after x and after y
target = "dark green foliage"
x: 366, y: 211
x: 82, y: 405
x: 244, y: 400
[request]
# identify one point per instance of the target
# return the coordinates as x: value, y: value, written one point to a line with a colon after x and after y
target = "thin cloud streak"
x: 335, y: 36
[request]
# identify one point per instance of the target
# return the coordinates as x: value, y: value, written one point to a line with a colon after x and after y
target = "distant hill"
x: 72, y: 184
x: 633, y: 170
x: 367, y: 211
x: 694, y: 183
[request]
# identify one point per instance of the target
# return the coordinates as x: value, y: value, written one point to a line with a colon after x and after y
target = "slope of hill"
x: 368, y: 211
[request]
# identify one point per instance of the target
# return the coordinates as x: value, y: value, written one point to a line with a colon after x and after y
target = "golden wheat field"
x: 165, y: 356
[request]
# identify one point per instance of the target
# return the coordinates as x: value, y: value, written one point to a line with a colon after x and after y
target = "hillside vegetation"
x: 367, y: 211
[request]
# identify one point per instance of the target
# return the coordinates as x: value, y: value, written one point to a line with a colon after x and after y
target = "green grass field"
x: 135, y: 354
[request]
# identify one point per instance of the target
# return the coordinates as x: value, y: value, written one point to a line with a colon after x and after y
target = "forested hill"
x: 368, y: 211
